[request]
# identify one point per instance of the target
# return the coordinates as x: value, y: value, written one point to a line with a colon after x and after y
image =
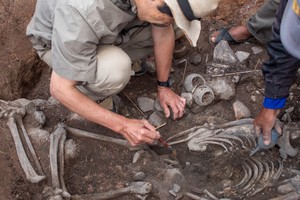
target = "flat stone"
x: 139, y: 176
x: 241, y: 110
x: 224, y: 53
x: 223, y: 88
x: 256, y: 50
x: 242, y: 55
x: 196, y: 59
x: 157, y: 119
x: 145, y: 104
x: 157, y: 105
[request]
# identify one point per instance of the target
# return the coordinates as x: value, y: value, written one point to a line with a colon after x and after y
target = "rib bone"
x: 140, y: 188
x: 30, y: 173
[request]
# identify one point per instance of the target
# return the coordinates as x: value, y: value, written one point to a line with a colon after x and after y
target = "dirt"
x: 101, y: 166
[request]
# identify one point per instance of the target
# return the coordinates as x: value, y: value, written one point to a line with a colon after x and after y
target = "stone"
x: 256, y: 50
x: 240, y: 110
x: 242, y: 55
x: 157, y: 105
x: 145, y: 104
x: 224, y: 53
x: 157, y: 119
x: 196, y: 59
x: 139, y: 176
x: 223, y: 88
x: 39, y: 136
x: 71, y: 149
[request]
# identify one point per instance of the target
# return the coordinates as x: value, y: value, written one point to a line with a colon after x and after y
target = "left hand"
x: 168, y: 98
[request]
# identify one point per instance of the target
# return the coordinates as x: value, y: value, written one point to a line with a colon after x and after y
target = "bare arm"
x: 164, y: 41
x: 135, y: 131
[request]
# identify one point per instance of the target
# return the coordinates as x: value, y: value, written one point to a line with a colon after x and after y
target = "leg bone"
x: 61, y: 156
x: 30, y: 173
x: 54, y: 141
x: 140, y: 188
x: 30, y: 147
x: 86, y: 134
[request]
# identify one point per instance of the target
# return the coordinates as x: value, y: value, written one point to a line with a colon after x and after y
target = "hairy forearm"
x: 164, y: 41
x: 65, y: 91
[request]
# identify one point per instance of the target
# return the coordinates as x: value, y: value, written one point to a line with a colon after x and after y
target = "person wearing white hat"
x: 280, y: 70
x: 90, y: 45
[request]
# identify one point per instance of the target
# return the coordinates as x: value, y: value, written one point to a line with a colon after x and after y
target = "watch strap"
x: 164, y: 83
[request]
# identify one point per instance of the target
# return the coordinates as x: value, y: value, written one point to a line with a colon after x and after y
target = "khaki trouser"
x: 260, y: 24
x: 114, y: 62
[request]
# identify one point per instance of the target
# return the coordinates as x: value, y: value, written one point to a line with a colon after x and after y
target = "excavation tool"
x: 167, y: 146
x: 261, y: 145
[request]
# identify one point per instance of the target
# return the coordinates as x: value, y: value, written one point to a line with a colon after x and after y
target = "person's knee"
x: 114, y: 64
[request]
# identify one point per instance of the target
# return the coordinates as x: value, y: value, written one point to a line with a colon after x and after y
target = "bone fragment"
x: 255, y: 179
x: 192, y: 131
x: 86, y: 134
x: 218, y: 139
x: 233, y: 137
x: 213, y: 197
x: 193, y: 196
x: 278, y: 173
x: 216, y: 143
x: 61, y: 156
x: 30, y: 147
x: 140, y: 188
x: 233, y: 123
x: 286, y: 148
x: 247, y: 177
x: 264, y: 181
x: 30, y: 173
x: 250, y: 185
x: 54, y: 145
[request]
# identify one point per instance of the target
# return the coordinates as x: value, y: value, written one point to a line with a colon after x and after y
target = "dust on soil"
x: 101, y: 166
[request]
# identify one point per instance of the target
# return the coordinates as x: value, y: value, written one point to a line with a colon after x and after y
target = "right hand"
x: 139, y: 132
x: 265, y: 121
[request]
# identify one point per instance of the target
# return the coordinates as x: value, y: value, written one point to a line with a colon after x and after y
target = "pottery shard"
x: 240, y: 110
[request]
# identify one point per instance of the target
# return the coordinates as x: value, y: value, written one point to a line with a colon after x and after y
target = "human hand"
x: 265, y: 121
x: 139, y: 132
x: 168, y: 98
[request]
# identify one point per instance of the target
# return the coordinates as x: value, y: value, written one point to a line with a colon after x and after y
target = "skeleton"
x: 15, y: 116
x: 257, y: 174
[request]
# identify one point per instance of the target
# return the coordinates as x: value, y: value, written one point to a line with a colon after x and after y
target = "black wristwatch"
x: 164, y: 83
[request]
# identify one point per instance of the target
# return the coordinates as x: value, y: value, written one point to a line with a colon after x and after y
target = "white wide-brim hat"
x: 199, y: 8
x: 290, y: 28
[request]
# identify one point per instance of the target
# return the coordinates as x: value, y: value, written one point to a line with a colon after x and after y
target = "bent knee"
x: 114, y: 64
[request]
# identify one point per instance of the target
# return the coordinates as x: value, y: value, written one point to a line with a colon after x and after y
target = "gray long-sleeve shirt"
x: 73, y: 29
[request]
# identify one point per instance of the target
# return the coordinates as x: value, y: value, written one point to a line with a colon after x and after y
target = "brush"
x: 165, y: 144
